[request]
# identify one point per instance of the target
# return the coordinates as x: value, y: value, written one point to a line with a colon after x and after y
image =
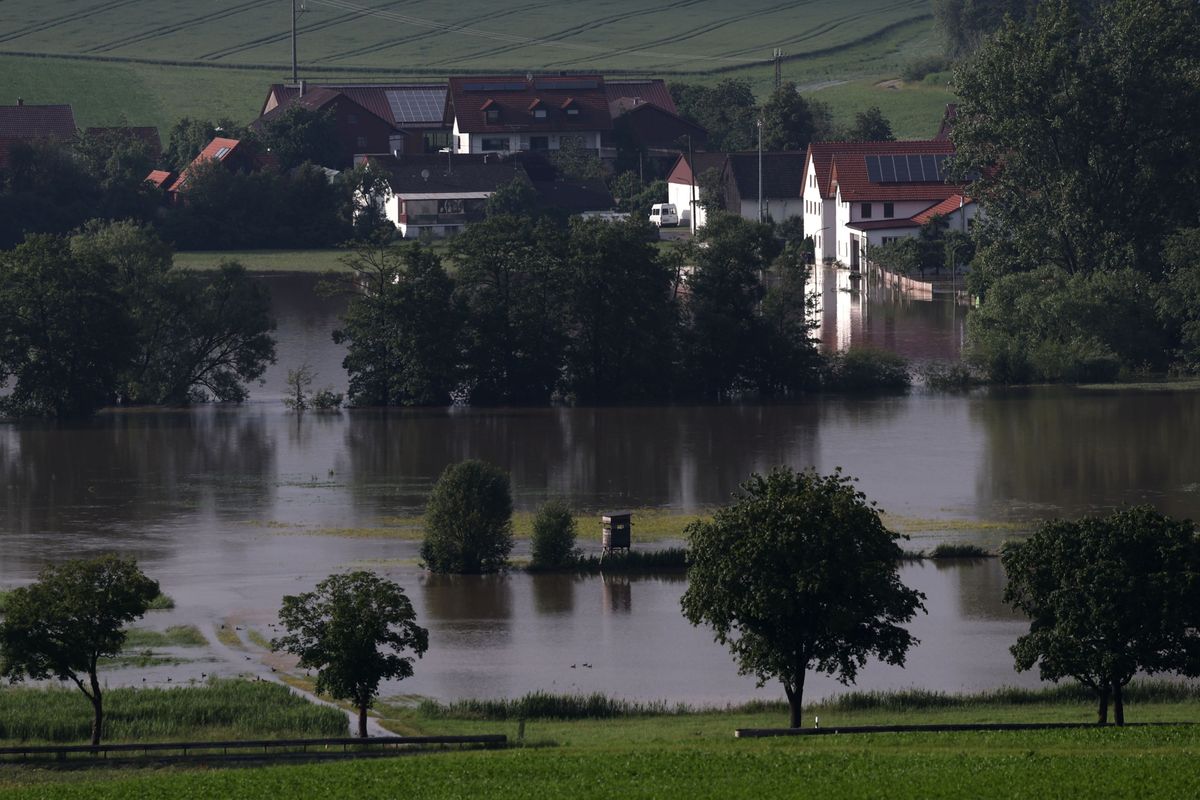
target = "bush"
x: 865, y: 369
x: 554, y: 532
x: 949, y: 376
x: 327, y: 400
x: 468, y: 522
x: 959, y: 550
x: 917, y: 69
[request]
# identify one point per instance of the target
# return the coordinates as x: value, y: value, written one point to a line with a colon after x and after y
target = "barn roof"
x: 415, y: 105
x: 24, y: 121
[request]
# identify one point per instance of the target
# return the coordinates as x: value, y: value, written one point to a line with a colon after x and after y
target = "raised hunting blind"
x: 615, y: 529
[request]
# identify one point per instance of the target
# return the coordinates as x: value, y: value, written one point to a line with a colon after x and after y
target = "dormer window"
x: 572, y: 112
x: 569, y: 107
x: 491, y: 111
x: 539, y: 113
x: 537, y: 109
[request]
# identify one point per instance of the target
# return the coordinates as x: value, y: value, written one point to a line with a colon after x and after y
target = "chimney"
x: 20, y: 101
x: 303, y: 86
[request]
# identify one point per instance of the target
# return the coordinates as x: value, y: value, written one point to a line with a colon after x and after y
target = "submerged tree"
x: 355, y: 630
x: 798, y: 574
x: 73, y: 616
x: 1107, y: 598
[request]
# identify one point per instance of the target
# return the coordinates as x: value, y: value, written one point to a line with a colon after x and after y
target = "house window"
x: 492, y: 115
x: 572, y: 112
x: 866, y: 210
x: 494, y: 144
x: 450, y: 206
x: 539, y: 113
x: 352, y: 119
x: 889, y: 210
x: 361, y: 141
x: 889, y: 239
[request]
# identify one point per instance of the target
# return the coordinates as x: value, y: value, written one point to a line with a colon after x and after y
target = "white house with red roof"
x: 497, y: 114
x: 862, y: 194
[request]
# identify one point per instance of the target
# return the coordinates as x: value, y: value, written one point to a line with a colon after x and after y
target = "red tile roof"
x: 313, y: 100
x: 403, y: 105
x: 681, y: 171
x: 218, y: 149
x: 627, y: 94
x: 160, y: 177
x: 514, y: 98
x: 36, y: 122
x: 853, y: 168
x: 947, y: 206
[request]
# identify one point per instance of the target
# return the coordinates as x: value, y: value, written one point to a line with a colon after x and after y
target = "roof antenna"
x: 425, y: 175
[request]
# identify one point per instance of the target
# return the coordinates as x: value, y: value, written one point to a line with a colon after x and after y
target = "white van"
x: 664, y: 214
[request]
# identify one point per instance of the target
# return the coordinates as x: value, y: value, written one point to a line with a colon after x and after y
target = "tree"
x: 403, y: 335
x: 73, y: 616
x: 1081, y: 133
x: 789, y: 362
x: 354, y: 630
x: 1107, y: 598
x: 298, y: 382
x: 726, y: 110
x: 468, y: 521
x: 577, y: 162
x: 800, y: 573
x: 188, y: 137
x: 871, y: 126
x: 554, y: 532
x: 44, y: 188
x: 510, y: 280
x: 302, y: 134
x: 620, y: 316
x: 65, y: 334
x: 790, y: 122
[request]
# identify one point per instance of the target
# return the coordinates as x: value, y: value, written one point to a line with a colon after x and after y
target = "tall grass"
x: 221, y: 709
x: 1149, y: 691
x: 174, y: 636
x: 670, y: 559
x: 543, y: 705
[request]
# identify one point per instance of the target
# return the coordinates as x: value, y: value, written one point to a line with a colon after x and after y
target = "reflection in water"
x: 553, y: 593
x: 854, y: 313
x: 980, y: 589
x: 618, y: 594
x: 1052, y: 452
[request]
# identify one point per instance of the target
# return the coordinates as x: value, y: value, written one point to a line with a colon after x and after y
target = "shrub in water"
x: 468, y: 522
x: 554, y: 532
x: 866, y: 369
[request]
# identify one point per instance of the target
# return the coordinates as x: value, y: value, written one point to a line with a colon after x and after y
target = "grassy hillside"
x: 152, y: 61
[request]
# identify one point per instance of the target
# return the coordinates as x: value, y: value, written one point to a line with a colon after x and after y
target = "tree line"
x: 525, y: 310
x: 102, y: 316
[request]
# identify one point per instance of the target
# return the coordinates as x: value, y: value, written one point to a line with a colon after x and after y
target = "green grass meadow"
x: 150, y: 62
x: 690, y: 754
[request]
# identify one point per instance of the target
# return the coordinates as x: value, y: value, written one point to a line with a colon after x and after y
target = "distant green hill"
x: 151, y: 61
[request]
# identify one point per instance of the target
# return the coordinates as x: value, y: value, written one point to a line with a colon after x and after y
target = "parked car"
x: 664, y: 214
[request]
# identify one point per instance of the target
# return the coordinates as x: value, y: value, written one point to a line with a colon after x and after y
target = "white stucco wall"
x: 473, y: 142
x: 681, y: 195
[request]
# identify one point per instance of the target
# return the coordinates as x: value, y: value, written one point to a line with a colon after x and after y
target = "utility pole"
x: 295, y: 74
x: 692, y: 175
x: 760, y: 188
x: 778, y: 57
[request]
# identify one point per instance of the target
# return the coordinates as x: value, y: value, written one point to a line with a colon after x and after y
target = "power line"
x: 393, y: 16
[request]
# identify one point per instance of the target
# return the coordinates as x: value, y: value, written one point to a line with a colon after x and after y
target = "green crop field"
x: 152, y: 61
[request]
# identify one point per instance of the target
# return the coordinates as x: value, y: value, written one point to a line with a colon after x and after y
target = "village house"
x: 439, y: 195
x: 371, y: 118
x: 26, y: 123
x: 858, y: 195
x: 645, y: 120
x: 234, y: 155
x: 501, y: 114
x: 736, y: 182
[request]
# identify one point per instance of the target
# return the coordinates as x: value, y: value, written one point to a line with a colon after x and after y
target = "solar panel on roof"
x: 887, y: 169
x: 901, y: 163
x: 873, y: 174
x: 916, y: 172
x: 417, y: 104
x: 514, y: 86
x: 930, y: 165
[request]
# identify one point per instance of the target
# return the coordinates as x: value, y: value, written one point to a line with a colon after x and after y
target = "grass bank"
x: 616, y: 749
x: 220, y: 709
x: 315, y: 261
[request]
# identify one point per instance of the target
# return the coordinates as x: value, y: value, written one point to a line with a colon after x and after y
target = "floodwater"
x: 233, y: 507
